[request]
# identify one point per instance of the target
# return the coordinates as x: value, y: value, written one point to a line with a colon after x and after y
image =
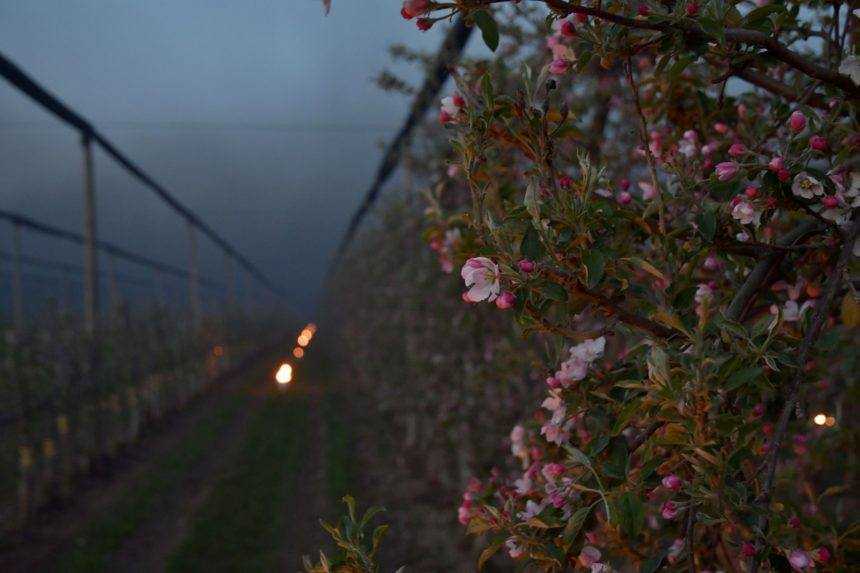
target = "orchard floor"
x: 234, y: 483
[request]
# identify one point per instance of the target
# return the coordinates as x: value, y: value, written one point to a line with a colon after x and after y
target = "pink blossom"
x: 797, y: 121
x: 799, y: 560
x: 822, y: 555
x: 553, y: 382
x: 806, y: 186
x: 526, y: 266
x: 737, y: 149
x: 727, y: 170
x: 505, y: 300
x: 776, y: 164
x: 818, y: 143
x: 481, y: 276
x: 648, y: 191
x: 559, y: 67
x: 589, y: 555
x: 551, y: 471
x: 721, y: 128
x: 672, y: 482
x: 624, y: 198
x: 675, y: 550
x: 712, y: 263
x: 745, y: 213
x: 412, y: 8
x: 669, y: 510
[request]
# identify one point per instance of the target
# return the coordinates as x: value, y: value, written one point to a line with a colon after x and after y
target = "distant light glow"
x: 218, y: 350
x: 820, y: 419
x: 298, y: 352
x: 830, y: 422
x: 284, y: 375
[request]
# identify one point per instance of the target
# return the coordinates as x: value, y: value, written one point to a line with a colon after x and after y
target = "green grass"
x: 240, y: 528
x: 113, y: 526
x: 339, y: 448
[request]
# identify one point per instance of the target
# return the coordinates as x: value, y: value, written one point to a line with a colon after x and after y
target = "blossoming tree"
x: 666, y: 193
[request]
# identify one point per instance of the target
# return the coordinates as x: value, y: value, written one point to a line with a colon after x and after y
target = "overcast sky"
x: 258, y: 114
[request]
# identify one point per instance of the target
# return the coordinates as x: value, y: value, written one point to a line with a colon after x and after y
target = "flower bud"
x: 797, y: 121
x: 526, y: 265
x: 830, y: 201
x: 737, y: 149
x: 505, y: 300
x: 818, y: 143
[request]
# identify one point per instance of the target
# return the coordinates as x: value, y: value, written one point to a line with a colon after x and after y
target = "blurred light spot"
x: 820, y: 419
x: 218, y: 350
x: 830, y: 422
x: 284, y: 375
x: 298, y: 352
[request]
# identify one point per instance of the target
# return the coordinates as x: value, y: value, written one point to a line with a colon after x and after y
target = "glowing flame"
x: 298, y: 352
x: 284, y: 375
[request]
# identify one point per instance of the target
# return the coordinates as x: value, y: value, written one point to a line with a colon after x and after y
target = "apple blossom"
x: 799, y: 560
x: 588, y: 556
x: 672, y: 482
x: 559, y: 66
x: 481, y: 276
x: 726, y: 170
x: 745, y: 213
x: 806, y: 186
x: 669, y: 510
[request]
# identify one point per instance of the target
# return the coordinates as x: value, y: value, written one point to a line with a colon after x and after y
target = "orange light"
x: 298, y: 352
x: 218, y: 350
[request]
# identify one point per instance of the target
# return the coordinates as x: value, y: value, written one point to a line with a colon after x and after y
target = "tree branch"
x: 822, y: 310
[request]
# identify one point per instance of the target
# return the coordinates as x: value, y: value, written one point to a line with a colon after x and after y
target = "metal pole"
x: 17, y: 284
x: 193, y: 277
x: 91, y: 271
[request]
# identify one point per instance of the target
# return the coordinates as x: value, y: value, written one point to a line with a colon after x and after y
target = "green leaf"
x: 595, y: 264
x: 531, y: 246
x: 554, y: 291
x: 707, y: 221
x: 488, y: 552
x: 574, y: 525
x: 741, y: 377
x: 631, y: 514
x: 651, y: 565
x: 577, y: 455
x: 489, y: 29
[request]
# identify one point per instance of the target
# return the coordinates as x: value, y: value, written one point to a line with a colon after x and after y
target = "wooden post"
x: 17, y: 281
x: 91, y: 271
x: 193, y: 277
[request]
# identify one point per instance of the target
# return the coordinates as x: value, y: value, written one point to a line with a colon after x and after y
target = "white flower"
x: 837, y: 215
x: 743, y: 237
x: 806, y: 186
x: 533, y: 509
x: 482, y: 279
x: 704, y: 293
x: 745, y: 213
x: 589, y: 350
x: 850, y: 67
x: 687, y: 148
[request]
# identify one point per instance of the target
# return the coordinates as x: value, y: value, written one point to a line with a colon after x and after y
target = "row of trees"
x: 661, y: 197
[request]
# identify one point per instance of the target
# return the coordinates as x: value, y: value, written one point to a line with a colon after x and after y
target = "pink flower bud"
x: 624, y: 198
x: 412, y: 8
x: 553, y: 382
x: 672, y: 482
x: 748, y: 549
x: 783, y: 174
x: 712, y: 263
x: 669, y: 510
x: 737, y: 149
x: 526, y: 266
x: 794, y: 522
x: 758, y: 410
x: 818, y: 143
x: 458, y: 99
x: 721, y: 128
x: 691, y: 9
x: 567, y: 29
x: 424, y: 24
x: 797, y: 121
x: 505, y: 300
x: 751, y: 192
x: 580, y: 18
x: 830, y: 201
x: 776, y: 164
x: 822, y: 554
x: 565, y: 182
x: 726, y: 170
x: 624, y: 184
x: 559, y: 67
x: 643, y: 10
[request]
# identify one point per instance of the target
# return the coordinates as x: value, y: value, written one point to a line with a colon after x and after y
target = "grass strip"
x: 240, y: 526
